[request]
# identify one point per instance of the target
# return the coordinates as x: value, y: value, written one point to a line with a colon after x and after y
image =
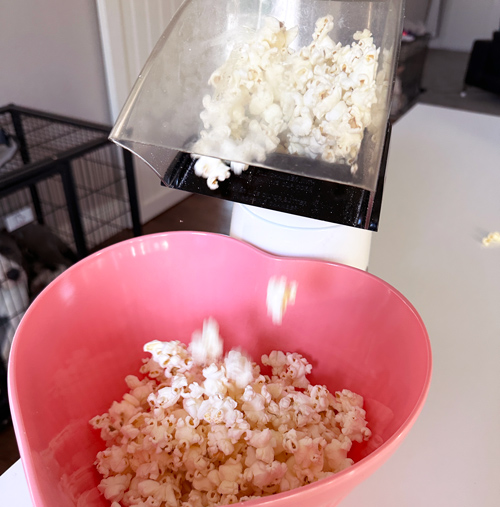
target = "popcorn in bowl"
x: 267, y: 97
x: 202, y: 428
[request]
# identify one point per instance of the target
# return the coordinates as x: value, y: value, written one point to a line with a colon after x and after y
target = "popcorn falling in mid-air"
x: 203, y: 429
x: 280, y: 294
x: 491, y: 239
x: 314, y: 102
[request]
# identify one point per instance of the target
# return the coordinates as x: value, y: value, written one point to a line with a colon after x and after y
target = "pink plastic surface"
x: 85, y: 333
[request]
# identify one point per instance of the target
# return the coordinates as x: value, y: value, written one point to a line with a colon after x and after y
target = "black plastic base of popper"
x: 289, y: 193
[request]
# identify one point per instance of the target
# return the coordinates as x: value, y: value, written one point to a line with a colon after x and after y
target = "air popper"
x: 281, y: 106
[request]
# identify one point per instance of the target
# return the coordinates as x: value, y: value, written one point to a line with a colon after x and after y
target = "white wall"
x: 464, y: 21
x: 51, y: 58
x: 433, y: 17
x: 129, y: 31
x: 416, y: 10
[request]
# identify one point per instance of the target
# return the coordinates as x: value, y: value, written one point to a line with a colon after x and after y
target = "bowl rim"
x: 380, y: 454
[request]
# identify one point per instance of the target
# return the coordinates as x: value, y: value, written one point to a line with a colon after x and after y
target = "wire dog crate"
x: 64, y: 174
x: 76, y: 182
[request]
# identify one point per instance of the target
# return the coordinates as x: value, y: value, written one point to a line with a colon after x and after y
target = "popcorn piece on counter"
x: 491, y: 239
x: 203, y: 430
x: 280, y: 294
x: 315, y: 101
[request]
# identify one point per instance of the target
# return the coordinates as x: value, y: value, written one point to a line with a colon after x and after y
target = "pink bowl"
x: 85, y: 333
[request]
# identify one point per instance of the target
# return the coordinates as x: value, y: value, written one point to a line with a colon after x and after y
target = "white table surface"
x: 442, y: 196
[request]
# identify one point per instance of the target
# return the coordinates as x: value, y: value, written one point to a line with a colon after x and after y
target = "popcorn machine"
x: 281, y: 106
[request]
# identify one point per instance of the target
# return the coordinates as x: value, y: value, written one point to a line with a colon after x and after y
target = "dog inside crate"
x: 8, y: 147
x: 59, y: 161
x: 14, y: 296
x: 30, y: 258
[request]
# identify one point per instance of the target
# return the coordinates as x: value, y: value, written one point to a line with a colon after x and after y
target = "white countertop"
x: 13, y: 487
x: 442, y: 196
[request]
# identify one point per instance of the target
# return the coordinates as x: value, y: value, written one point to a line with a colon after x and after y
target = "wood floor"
x: 9, y: 453
x: 196, y: 213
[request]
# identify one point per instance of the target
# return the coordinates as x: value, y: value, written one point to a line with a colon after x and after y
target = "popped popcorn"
x: 280, y: 294
x: 314, y: 102
x: 212, y: 169
x: 206, y: 429
x: 491, y: 239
